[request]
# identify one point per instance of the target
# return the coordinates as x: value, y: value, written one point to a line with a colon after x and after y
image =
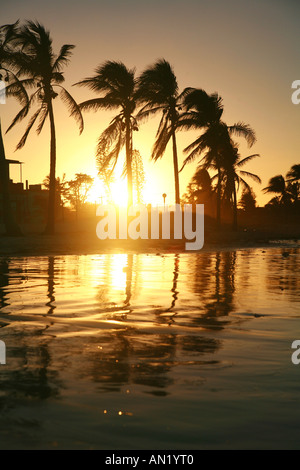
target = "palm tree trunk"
x: 234, y: 224
x: 175, y: 163
x: 129, y: 161
x: 219, y: 199
x: 50, y: 226
x: 11, y: 226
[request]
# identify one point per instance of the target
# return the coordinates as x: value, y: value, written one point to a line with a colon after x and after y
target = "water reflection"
x: 51, y: 285
x: 4, y: 280
x: 114, y: 322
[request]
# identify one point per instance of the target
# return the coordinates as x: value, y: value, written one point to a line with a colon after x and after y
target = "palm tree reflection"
x: 215, y: 286
x: 4, y: 282
x: 51, y: 284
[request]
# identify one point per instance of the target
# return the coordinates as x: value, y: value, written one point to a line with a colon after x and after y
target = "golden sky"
x: 246, y: 51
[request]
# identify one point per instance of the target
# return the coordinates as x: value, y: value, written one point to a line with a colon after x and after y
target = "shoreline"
x: 85, y: 243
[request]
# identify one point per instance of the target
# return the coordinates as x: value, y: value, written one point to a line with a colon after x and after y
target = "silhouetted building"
x: 29, y: 204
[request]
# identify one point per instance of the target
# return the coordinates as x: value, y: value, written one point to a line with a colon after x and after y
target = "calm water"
x: 189, y: 351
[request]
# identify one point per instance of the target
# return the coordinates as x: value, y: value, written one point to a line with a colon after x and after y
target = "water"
x: 117, y: 351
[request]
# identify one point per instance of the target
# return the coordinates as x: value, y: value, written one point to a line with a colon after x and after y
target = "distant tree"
x: 294, y: 173
x: 201, y: 191
x: 247, y: 201
x: 293, y: 180
x: 277, y: 185
x: 78, y: 190
x: 61, y: 190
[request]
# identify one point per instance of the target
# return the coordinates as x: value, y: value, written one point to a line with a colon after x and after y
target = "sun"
x: 96, y: 192
x: 118, y: 192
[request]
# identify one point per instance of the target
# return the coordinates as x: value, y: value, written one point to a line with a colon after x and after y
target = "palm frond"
x: 43, y: 116
x: 73, y: 107
x: 63, y: 57
x: 243, y: 130
x: 245, y: 184
x: 110, y: 143
x: 17, y: 89
x: 148, y: 110
x: 251, y: 175
x: 157, y: 84
x: 247, y: 159
x: 28, y: 129
x: 23, y: 112
x: 98, y: 103
x: 161, y: 142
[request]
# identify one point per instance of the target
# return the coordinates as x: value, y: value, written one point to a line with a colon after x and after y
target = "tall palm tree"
x: 7, y: 34
x: 232, y: 178
x: 204, y: 112
x: 158, y: 93
x: 116, y: 85
x: 42, y: 70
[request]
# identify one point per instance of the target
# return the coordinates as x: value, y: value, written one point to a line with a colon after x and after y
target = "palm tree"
x: 293, y: 179
x: 43, y: 72
x: 116, y: 85
x: 158, y: 92
x: 232, y: 178
x: 7, y: 34
x: 294, y: 173
x: 277, y: 185
x: 204, y: 112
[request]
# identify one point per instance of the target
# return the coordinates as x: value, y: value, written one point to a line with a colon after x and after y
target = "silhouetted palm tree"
x: 116, y: 83
x: 42, y: 70
x: 294, y: 173
x: 158, y: 92
x: 7, y: 34
x: 232, y: 178
x: 204, y: 112
x: 277, y: 185
x: 293, y: 179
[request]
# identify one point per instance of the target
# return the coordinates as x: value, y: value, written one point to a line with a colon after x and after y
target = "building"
x: 28, y: 204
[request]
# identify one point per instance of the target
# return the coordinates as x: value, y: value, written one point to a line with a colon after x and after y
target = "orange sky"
x: 246, y: 51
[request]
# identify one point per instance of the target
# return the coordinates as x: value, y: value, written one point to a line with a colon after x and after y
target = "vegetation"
x: 35, y: 77
x: 214, y: 146
x: 41, y: 71
x: 287, y: 189
x: 116, y: 85
x: 157, y: 91
x: 7, y: 34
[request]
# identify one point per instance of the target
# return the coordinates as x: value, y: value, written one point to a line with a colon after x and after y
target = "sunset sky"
x: 248, y: 52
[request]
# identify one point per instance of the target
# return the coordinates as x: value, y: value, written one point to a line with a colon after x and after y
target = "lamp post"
x: 164, y: 197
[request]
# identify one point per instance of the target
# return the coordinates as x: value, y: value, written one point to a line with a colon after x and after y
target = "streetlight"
x: 164, y: 196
